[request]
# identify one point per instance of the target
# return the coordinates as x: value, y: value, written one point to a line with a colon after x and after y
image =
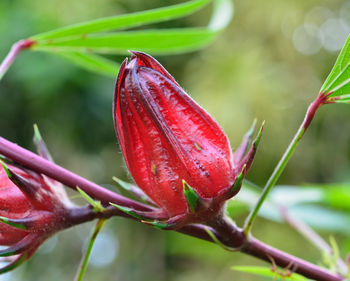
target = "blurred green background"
x: 268, y: 64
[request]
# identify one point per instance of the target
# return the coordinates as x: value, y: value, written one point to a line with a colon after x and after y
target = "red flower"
x: 32, y: 208
x: 167, y: 139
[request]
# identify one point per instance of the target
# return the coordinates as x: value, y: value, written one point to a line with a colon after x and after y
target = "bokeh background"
x: 268, y: 64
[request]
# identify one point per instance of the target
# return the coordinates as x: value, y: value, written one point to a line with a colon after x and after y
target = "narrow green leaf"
x: 12, y: 222
x: 222, y: 15
x: 92, y: 62
x: 276, y: 274
x: 191, y: 196
x: 338, y: 81
x: 127, y: 211
x: 97, y: 207
x: 126, y: 20
x: 14, y: 264
x: 123, y: 184
x: 239, y: 180
x: 164, y: 41
x: 40, y: 144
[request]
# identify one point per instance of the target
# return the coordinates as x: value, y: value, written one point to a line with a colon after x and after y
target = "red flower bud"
x: 32, y: 208
x: 167, y: 139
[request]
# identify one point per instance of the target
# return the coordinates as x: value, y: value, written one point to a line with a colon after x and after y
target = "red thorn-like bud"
x: 32, y: 209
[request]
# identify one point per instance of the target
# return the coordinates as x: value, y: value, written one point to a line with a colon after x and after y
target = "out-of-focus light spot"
x: 334, y: 33
x: 318, y: 15
x: 105, y: 250
x: 307, y: 39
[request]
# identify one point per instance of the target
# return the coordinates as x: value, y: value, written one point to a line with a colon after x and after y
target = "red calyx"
x: 166, y: 137
x: 32, y: 208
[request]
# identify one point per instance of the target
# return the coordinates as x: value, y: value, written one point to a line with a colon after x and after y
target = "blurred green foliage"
x: 270, y: 64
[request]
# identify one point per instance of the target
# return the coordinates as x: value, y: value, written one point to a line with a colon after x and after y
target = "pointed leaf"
x: 92, y: 62
x: 238, y: 183
x: 14, y: 264
x: 268, y: 272
x: 13, y: 222
x: 40, y: 144
x: 97, y: 207
x: 222, y: 14
x: 162, y: 41
x: 191, y: 196
x: 126, y: 20
x: 127, y: 210
x: 338, y: 81
x: 19, y: 247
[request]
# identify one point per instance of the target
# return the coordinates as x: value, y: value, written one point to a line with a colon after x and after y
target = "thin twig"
x: 320, y: 100
x: 11, y: 56
x: 85, y: 258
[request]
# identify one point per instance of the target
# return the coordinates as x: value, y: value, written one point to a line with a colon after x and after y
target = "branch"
x: 43, y: 166
x: 225, y: 230
x: 232, y: 237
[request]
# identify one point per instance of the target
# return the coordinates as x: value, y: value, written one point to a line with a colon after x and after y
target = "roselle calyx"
x: 33, y: 207
x: 175, y: 151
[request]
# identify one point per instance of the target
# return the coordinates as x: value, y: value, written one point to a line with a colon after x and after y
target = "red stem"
x: 232, y: 236
x: 41, y: 165
x: 224, y: 229
x: 265, y: 252
x: 11, y: 56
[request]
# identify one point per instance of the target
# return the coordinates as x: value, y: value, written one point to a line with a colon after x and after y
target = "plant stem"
x: 85, y: 258
x: 229, y: 235
x: 234, y: 237
x: 11, y: 56
x: 320, y: 100
x: 226, y: 231
x: 312, y: 237
x: 52, y: 170
x: 265, y: 252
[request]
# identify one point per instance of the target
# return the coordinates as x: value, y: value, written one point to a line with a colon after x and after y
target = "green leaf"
x: 96, y: 205
x: 164, y: 41
x: 338, y: 81
x: 92, y: 62
x: 276, y: 274
x: 301, y: 203
x: 125, y: 21
x: 222, y: 15
x: 191, y: 196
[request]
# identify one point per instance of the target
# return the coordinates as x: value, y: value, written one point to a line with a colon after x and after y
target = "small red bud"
x: 166, y: 139
x: 32, y: 208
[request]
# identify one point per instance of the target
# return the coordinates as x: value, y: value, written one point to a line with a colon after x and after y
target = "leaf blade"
x: 92, y: 62
x: 165, y: 41
x: 338, y: 81
x: 268, y: 272
x: 126, y: 20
